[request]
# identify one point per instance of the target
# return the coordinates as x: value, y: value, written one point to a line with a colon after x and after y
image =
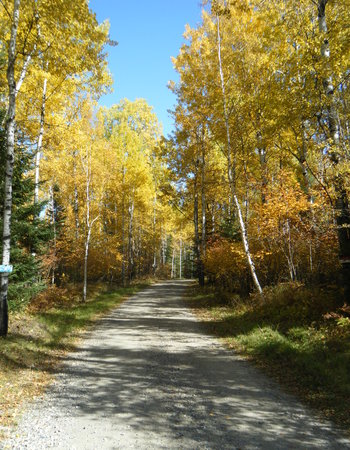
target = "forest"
x: 265, y: 169
x: 249, y: 195
x: 250, y: 190
x: 81, y: 185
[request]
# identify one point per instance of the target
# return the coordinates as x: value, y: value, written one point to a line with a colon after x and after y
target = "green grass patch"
x: 40, y: 336
x: 64, y: 323
x: 296, y: 335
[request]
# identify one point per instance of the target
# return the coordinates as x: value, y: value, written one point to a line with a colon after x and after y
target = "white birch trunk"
x: 172, y: 266
x: 246, y: 245
x: 39, y: 145
x: 213, y: 218
x: 196, y: 231
x: 87, y: 238
x: 89, y: 224
x: 76, y: 201
x: 10, y: 156
x: 231, y: 175
x: 328, y: 82
x: 154, y: 234
x: 53, y: 219
x: 164, y: 243
x: 204, y: 204
x: 86, y: 255
x: 123, y: 233
x: 131, y: 241
x: 24, y: 71
x: 180, y: 259
x: 263, y: 166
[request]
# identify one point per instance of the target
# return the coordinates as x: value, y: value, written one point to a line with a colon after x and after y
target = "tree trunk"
x: 154, y: 235
x: 89, y: 223
x: 76, y: 199
x: 200, y: 273
x: 342, y: 201
x: 10, y: 156
x: 173, y: 265
x: 87, y: 236
x: 263, y: 167
x: 53, y: 219
x: 141, y: 270
x: 180, y: 259
x: 86, y: 255
x: 39, y: 145
x: 204, y: 204
x: 213, y: 206
x: 231, y: 173
x: 246, y: 245
x: 302, y: 159
x: 123, y: 233
x: 164, y: 248
x: 130, y: 242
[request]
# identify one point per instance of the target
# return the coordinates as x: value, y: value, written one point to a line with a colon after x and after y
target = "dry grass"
x: 38, y: 339
x: 297, y: 336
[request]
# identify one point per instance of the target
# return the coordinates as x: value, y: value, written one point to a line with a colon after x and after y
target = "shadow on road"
x: 151, y: 367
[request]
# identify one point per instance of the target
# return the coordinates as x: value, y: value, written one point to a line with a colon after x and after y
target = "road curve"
x: 149, y: 377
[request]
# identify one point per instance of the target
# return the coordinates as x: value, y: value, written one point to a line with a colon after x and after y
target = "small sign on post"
x: 6, y: 269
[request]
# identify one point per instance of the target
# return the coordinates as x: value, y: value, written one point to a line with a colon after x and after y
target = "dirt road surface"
x: 149, y: 377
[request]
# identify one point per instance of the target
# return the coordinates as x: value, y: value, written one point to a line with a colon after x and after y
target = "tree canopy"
x: 252, y: 187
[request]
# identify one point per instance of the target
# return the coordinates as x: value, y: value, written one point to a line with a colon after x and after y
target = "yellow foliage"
x: 225, y: 259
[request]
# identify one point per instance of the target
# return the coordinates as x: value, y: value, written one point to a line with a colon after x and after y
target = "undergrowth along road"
x: 150, y: 376
x: 40, y: 336
x: 306, y: 350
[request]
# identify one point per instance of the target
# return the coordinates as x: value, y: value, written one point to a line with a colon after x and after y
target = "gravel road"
x: 149, y: 377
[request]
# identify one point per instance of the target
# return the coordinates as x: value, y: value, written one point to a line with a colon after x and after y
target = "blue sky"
x: 149, y: 32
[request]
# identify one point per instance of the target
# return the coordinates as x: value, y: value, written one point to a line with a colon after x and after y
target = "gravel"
x: 149, y: 377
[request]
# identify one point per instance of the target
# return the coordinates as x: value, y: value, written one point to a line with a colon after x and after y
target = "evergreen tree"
x: 30, y: 232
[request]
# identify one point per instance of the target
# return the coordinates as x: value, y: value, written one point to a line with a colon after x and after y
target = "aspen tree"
x: 230, y: 172
x: 40, y: 143
x: 342, y: 201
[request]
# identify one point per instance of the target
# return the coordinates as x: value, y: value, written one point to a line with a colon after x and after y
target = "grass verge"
x: 39, y: 337
x: 295, y: 335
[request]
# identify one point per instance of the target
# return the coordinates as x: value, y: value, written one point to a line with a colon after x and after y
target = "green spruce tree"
x: 30, y: 232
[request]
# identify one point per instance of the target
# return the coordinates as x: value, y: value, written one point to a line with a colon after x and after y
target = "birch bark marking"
x: 40, y: 143
x: 10, y: 156
x: 231, y: 176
